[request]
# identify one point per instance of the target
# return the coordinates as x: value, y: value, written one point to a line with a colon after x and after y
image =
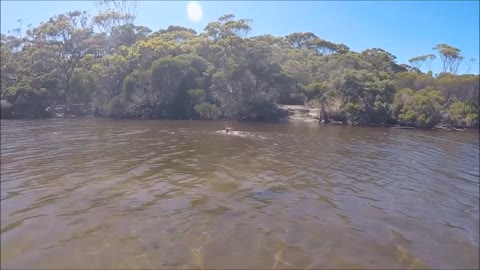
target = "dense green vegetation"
x: 130, y: 71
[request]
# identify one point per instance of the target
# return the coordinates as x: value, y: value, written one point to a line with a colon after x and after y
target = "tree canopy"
x: 131, y: 71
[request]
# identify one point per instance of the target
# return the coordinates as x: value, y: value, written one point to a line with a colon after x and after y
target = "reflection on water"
x: 99, y: 193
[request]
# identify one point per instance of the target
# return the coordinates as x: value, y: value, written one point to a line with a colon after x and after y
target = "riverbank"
x: 295, y: 114
x: 307, y: 114
x: 301, y: 113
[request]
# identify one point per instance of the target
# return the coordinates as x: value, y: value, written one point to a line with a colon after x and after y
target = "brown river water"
x: 96, y: 193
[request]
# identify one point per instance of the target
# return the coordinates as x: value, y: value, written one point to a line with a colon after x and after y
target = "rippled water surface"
x: 100, y: 193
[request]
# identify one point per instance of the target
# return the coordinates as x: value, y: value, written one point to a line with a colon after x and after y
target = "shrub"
x: 116, y: 106
x: 352, y: 112
x: 423, y: 110
x: 462, y: 115
x: 207, y: 111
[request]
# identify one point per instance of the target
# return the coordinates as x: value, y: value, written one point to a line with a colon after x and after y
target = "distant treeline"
x: 129, y: 71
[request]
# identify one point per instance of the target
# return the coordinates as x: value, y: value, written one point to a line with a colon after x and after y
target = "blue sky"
x: 404, y: 28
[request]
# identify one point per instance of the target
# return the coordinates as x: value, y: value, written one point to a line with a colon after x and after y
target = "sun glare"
x: 194, y: 11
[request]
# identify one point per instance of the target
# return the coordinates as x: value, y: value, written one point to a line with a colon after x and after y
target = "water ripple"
x: 146, y: 193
